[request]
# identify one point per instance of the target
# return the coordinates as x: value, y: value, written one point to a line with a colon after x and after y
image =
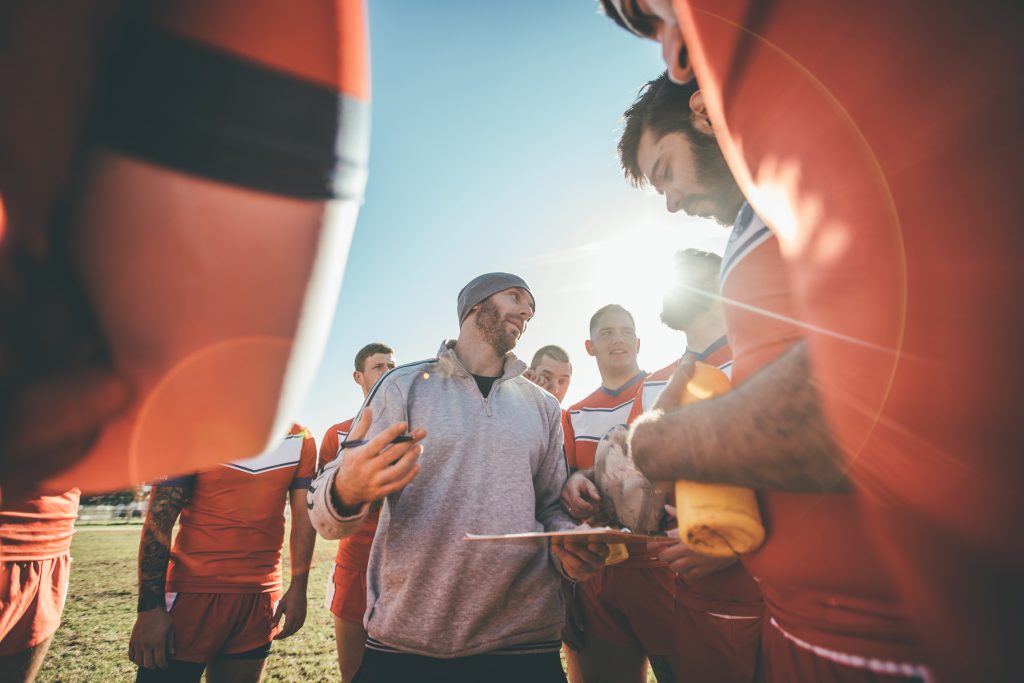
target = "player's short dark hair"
x: 551, y: 351
x: 369, y: 350
x: 662, y: 107
x: 610, y: 308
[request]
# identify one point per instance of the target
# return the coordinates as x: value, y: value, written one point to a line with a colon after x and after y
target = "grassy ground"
x: 92, y: 642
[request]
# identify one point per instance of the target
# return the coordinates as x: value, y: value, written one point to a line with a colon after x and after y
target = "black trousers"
x: 391, y: 667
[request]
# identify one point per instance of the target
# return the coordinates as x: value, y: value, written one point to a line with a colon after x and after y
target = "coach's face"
x: 502, y: 318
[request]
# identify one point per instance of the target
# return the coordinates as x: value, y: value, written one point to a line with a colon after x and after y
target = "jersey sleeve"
x: 569, y: 440
x: 307, y: 462
x: 328, y: 447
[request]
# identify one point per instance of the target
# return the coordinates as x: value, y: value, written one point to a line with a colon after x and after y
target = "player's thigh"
x: 22, y: 667
x: 350, y: 638
x: 237, y: 668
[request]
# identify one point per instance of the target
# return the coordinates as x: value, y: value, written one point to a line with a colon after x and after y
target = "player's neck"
x: 704, y: 331
x: 614, y: 379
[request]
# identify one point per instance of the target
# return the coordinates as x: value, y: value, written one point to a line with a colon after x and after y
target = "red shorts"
x: 209, y: 624
x: 716, y: 647
x: 784, y: 658
x: 631, y: 606
x: 32, y: 595
x: 346, y: 593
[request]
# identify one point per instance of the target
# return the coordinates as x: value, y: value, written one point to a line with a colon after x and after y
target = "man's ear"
x: 590, y: 348
x: 638, y: 345
x: 358, y: 377
x: 699, y: 114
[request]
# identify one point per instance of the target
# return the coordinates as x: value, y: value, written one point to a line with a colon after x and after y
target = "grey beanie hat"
x: 481, y: 287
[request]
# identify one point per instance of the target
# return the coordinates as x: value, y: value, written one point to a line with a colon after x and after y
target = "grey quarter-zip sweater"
x: 489, y: 465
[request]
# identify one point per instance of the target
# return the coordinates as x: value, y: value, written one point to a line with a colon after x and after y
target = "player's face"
x: 556, y: 375
x: 614, y: 343
x: 374, y: 367
x: 656, y: 20
x: 696, y: 181
x: 502, y: 318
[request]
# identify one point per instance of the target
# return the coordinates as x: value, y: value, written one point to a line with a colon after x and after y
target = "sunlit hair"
x: 662, y: 107
x: 610, y: 308
x: 685, y: 259
x: 553, y: 352
x: 369, y: 350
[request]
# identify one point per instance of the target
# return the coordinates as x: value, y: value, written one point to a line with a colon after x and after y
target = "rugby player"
x: 627, y: 609
x: 170, y: 269
x: 718, y: 607
x: 35, y: 566
x: 346, y: 588
x: 213, y: 602
x: 833, y: 612
x: 551, y: 370
x: 870, y: 216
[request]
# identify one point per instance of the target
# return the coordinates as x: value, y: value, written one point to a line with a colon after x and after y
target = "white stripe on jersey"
x: 590, y: 424
x: 748, y: 232
x: 652, y: 390
x: 285, y: 454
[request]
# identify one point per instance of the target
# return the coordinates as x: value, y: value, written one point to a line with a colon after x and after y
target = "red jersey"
x: 232, y: 529
x: 820, y: 575
x: 718, y: 354
x: 353, y: 551
x: 900, y: 228
x: 729, y: 591
x: 588, y: 420
x: 38, y: 528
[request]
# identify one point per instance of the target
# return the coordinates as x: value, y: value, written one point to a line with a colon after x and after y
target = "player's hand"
x: 292, y: 606
x: 371, y: 472
x: 683, y: 560
x: 580, y: 561
x: 541, y: 381
x: 152, y: 641
x: 580, y: 497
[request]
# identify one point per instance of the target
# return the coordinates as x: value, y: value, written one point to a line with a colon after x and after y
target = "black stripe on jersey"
x: 741, y: 251
x: 301, y: 483
x: 259, y: 470
x: 600, y: 410
x: 186, y: 106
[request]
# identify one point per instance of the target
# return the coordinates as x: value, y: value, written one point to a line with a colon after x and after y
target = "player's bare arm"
x: 152, y: 640
x: 300, y: 551
x: 769, y: 433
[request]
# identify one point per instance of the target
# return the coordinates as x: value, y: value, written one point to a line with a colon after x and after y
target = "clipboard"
x: 581, y: 535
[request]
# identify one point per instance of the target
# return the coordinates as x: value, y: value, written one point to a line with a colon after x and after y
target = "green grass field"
x: 92, y: 642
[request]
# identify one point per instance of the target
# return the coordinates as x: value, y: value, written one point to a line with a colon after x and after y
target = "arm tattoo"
x: 165, y: 504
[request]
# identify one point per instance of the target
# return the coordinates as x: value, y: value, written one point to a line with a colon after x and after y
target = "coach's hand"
x: 684, y: 560
x: 370, y: 472
x: 580, y: 497
x: 152, y: 641
x: 292, y: 606
x: 580, y: 561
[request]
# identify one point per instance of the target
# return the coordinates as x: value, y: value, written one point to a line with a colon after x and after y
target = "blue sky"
x: 493, y: 148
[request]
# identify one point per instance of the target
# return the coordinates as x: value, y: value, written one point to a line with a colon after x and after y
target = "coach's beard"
x: 492, y: 328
